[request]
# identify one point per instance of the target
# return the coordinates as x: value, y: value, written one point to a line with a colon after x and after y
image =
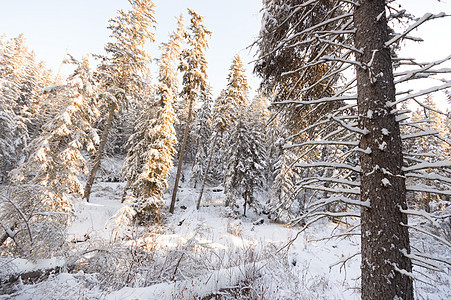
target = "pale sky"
x: 51, y: 26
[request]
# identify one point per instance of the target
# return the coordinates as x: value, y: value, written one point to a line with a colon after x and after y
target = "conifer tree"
x: 194, y: 65
x: 282, y: 194
x: 152, y: 145
x: 203, y: 132
x: 246, y: 161
x: 313, y: 43
x: 54, y: 159
x: 283, y: 68
x: 233, y: 100
x: 44, y: 184
x: 227, y: 107
x: 123, y: 70
x: 22, y: 81
x: 14, y: 133
x: 426, y: 136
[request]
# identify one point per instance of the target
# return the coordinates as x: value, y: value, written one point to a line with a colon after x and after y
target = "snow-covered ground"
x: 194, y: 254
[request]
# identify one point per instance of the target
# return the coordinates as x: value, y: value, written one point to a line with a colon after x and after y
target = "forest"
x: 130, y: 179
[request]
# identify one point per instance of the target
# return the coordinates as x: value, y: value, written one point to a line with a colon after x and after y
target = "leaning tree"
x: 194, y: 67
x: 122, y: 71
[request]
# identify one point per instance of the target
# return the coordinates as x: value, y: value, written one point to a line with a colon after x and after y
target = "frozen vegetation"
x: 201, y: 255
x: 333, y: 182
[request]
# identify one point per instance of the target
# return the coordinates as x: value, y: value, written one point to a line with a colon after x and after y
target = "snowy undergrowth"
x: 202, y: 254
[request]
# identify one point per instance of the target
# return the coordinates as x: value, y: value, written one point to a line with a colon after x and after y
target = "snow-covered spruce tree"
x: 152, y: 145
x: 283, y: 20
x: 203, y: 132
x: 351, y: 35
x: 38, y: 204
x: 292, y: 87
x: 282, y: 202
x: 235, y: 99
x: 193, y: 64
x: 246, y: 161
x: 21, y: 83
x: 426, y: 135
x: 227, y: 107
x: 14, y: 133
x: 18, y: 65
x: 123, y: 70
x: 218, y: 134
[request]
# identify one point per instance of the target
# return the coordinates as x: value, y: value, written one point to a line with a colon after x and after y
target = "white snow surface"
x: 309, y: 269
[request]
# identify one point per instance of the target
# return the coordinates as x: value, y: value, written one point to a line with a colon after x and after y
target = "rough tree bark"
x: 100, y: 150
x: 382, y: 182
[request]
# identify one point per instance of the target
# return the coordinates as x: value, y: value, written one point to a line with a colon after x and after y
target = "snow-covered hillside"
x: 198, y: 255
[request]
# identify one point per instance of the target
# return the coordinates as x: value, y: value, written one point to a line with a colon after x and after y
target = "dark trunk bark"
x: 246, y: 196
x: 206, y: 171
x: 99, y: 153
x: 182, y: 150
x: 382, y: 180
x: 5, y: 236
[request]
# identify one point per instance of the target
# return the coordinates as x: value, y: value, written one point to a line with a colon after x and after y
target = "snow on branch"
x: 355, y: 191
x: 440, y: 239
x: 306, y: 3
x: 421, y: 93
x: 424, y: 71
x: 332, y: 180
x: 402, y: 271
x: 8, y: 231
x: 326, y: 201
x: 420, y: 213
x: 429, y: 176
x: 331, y: 165
x: 349, y: 126
x: 324, y: 142
x: 420, y: 21
x: 323, y: 60
x: 427, y: 189
x: 338, y: 70
x: 419, y: 256
x: 21, y: 214
x: 339, y: 45
x: 347, y: 233
x: 426, y: 132
x: 329, y: 58
x: 318, y: 216
x: 312, y: 28
x: 428, y: 165
x: 317, y: 101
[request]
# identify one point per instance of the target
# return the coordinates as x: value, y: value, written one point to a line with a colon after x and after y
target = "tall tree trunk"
x: 246, y: 197
x: 382, y: 180
x: 206, y: 171
x: 99, y: 153
x: 182, y: 150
